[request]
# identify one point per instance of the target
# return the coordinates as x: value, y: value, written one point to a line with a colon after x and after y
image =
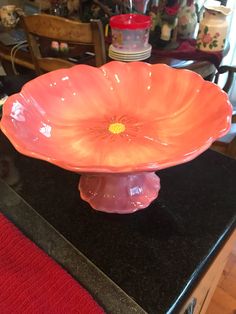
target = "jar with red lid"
x: 130, y: 32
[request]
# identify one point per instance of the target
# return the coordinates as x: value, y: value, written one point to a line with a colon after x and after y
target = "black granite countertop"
x: 157, y: 255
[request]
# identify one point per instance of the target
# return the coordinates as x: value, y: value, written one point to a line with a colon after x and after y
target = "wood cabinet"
x: 199, y: 300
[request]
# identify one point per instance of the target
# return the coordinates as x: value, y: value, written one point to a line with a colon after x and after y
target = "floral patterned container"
x: 187, y: 19
x: 130, y: 32
x: 213, y: 28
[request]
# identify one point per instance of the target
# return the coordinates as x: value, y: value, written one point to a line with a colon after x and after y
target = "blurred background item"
x: 187, y: 19
x: 164, y: 14
x: 9, y: 16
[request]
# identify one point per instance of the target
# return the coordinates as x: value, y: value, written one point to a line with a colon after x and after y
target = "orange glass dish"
x: 116, y: 125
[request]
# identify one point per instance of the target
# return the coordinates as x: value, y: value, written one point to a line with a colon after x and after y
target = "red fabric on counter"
x: 31, y: 282
x: 187, y: 51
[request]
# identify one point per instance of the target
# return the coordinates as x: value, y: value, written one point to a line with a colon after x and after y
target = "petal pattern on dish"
x: 122, y: 117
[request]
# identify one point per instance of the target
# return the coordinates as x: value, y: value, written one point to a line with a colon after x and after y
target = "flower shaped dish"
x: 117, y: 125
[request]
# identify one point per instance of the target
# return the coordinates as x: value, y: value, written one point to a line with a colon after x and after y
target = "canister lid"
x: 130, y: 21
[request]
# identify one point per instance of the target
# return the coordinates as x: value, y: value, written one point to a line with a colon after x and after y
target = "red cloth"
x: 187, y: 51
x: 33, y: 283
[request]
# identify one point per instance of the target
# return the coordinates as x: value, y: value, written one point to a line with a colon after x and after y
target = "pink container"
x: 130, y: 32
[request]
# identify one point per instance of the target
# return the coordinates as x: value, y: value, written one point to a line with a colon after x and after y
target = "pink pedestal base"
x: 119, y: 193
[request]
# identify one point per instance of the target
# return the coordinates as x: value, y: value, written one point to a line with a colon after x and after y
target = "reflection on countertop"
x: 153, y: 254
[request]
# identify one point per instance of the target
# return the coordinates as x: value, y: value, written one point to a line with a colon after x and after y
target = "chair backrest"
x: 227, y: 144
x: 230, y: 71
x: 42, y: 29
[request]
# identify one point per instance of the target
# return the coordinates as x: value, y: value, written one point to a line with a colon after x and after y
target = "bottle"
x: 187, y: 19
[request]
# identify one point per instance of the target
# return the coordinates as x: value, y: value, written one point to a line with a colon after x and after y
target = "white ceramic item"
x: 213, y: 28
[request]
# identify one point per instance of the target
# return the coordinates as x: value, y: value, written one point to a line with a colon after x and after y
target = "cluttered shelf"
x: 178, y: 59
x: 180, y: 52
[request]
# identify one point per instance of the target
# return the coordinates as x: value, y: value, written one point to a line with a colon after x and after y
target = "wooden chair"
x: 227, y: 144
x: 42, y: 29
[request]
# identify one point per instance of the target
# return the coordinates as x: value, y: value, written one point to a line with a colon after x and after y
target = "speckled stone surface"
x: 153, y: 254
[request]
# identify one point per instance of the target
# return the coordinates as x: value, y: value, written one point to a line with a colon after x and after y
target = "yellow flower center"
x: 116, y: 128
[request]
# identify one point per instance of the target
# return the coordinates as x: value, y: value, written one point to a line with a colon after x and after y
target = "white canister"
x: 213, y: 28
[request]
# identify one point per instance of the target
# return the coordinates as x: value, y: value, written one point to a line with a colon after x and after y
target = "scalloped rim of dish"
x: 150, y: 166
